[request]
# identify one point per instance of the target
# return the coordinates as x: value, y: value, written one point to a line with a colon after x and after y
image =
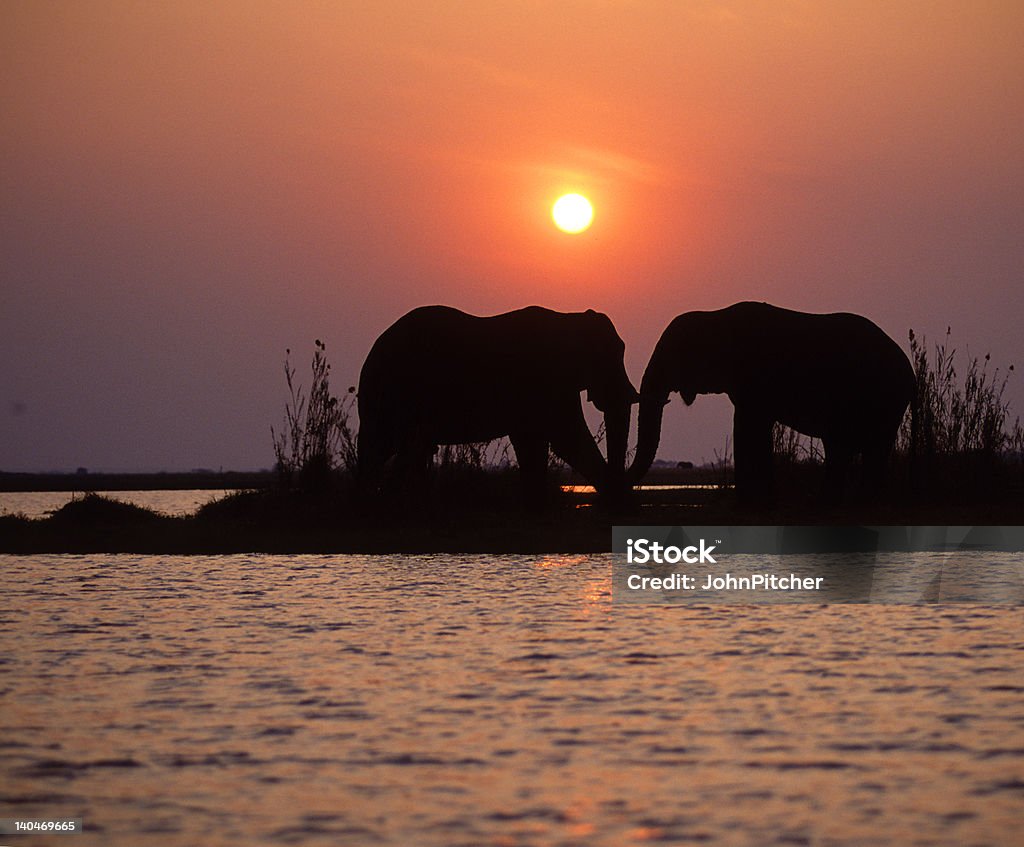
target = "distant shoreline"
x: 160, y: 481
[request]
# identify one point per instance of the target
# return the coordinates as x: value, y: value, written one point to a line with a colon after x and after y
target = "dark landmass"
x: 163, y: 481
x: 483, y: 517
x: 661, y: 473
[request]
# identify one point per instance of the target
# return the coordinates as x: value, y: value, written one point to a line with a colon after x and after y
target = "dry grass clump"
x: 966, y: 439
x: 960, y: 417
x: 317, y: 439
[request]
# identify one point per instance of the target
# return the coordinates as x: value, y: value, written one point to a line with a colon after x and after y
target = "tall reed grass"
x: 967, y: 441
x: 317, y: 438
x: 967, y: 415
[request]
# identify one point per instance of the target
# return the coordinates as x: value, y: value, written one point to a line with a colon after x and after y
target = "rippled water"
x: 491, y: 700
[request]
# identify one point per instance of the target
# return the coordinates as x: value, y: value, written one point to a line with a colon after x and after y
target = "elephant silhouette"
x: 837, y: 377
x: 441, y: 376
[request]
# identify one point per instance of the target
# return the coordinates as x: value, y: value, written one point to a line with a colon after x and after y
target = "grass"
x: 960, y: 416
x: 317, y: 440
x: 967, y: 441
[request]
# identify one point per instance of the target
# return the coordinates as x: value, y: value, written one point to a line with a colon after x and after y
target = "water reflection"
x: 561, y: 561
x: 589, y: 489
x: 488, y: 700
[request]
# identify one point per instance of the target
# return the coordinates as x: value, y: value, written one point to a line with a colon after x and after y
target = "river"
x: 498, y: 700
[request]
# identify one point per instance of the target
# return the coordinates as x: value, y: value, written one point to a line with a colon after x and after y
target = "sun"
x: 572, y: 213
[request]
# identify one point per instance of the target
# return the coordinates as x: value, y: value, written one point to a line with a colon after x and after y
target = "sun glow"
x: 572, y: 213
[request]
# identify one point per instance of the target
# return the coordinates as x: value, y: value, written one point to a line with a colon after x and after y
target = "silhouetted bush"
x: 97, y: 510
x: 966, y: 437
x: 317, y: 438
x: 958, y: 418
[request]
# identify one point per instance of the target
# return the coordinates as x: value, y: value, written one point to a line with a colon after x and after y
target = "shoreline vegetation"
x: 963, y: 466
x: 482, y: 514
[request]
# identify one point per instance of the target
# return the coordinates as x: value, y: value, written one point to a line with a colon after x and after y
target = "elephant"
x: 441, y: 376
x: 837, y: 377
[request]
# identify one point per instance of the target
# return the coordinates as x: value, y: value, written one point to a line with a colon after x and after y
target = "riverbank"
x: 274, y: 521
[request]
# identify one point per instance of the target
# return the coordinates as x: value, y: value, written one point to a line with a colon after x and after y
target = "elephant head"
x: 602, y: 374
x: 693, y: 356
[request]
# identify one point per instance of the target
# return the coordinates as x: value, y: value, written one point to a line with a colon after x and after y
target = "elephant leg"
x: 572, y: 443
x: 876, y: 460
x: 838, y: 455
x: 752, y: 454
x: 373, y: 453
x: 532, y: 456
x: 415, y: 459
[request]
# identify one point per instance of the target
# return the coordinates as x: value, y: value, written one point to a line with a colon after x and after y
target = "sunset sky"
x: 189, y: 188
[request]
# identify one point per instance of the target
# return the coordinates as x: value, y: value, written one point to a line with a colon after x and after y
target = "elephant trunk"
x: 659, y: 379
x: 652, y: 404
x: 654, y: 391
x: 616, y: 428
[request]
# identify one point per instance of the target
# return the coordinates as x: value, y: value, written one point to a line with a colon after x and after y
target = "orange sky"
x: 189, y: 188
